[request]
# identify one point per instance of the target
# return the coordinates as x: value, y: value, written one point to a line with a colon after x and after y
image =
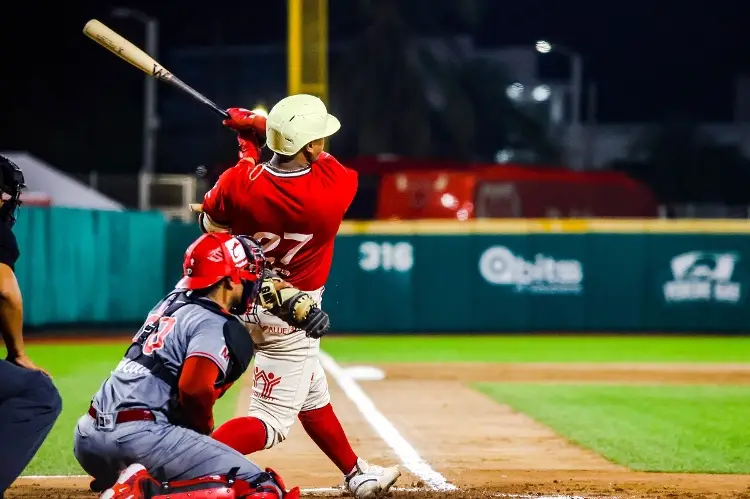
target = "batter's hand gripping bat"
x: 122, y: 48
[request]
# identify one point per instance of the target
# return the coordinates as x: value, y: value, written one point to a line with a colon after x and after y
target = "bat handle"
x: 220, y: 112
x: 197, y: 95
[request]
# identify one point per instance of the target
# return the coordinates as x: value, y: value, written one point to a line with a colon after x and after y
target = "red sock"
x: 325, y: 430
x: 245, y: 435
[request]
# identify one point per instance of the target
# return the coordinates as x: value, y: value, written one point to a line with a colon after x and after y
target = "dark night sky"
x: 650, y: 58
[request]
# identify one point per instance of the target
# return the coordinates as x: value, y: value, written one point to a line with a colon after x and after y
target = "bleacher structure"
x: 169, y: 193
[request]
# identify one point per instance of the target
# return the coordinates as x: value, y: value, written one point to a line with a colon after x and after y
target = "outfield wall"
x: 425, y: 276
x: 542, y: 275
x: 89, y: 267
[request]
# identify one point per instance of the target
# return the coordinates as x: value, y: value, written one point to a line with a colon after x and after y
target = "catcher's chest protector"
x: 238, y: 341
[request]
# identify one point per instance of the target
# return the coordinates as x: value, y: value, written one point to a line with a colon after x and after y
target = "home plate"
x: 365, y: 373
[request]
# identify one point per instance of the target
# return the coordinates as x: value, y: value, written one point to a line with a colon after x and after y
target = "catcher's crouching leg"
x: 136, y: 483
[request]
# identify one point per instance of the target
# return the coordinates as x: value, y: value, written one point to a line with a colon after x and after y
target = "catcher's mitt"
x: 293, y: 306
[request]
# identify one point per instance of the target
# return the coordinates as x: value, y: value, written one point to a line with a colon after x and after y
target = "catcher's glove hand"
x: 293, y: 306
x: 316, y: 322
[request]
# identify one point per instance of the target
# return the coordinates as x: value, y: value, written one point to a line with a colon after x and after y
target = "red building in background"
x: 414, y: 190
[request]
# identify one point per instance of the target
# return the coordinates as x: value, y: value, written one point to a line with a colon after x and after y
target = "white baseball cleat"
x: 369, y: 481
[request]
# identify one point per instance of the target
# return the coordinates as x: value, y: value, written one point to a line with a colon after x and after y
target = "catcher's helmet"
x: 297, y: 120
x: 11, y: 184
x: 219, y: 255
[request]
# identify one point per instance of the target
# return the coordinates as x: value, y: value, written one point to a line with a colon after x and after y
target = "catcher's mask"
x: 11, y: 184
x: 220, y: 255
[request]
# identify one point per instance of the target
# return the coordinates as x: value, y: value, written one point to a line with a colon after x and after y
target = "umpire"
x: 29, y: 402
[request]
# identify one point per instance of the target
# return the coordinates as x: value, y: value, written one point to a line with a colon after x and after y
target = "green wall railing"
x: 82, y: 266
x: 596, y: 275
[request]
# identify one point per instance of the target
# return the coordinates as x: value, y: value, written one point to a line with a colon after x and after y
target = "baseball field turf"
x: 648, y: 426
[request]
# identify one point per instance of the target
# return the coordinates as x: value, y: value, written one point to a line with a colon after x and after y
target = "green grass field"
x: 666, y: 428
x: 687, y: 429
x: 539, y: 349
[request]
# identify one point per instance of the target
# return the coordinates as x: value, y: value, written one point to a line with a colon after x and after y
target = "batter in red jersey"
x: 293, y: 205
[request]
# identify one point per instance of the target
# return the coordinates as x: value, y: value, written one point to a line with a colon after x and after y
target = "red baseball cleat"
x: 129, y: 484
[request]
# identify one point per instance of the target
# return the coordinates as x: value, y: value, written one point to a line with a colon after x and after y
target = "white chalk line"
x: 384, y: 428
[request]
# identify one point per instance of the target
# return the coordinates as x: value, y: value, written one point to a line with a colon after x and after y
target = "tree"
x: 425, y: 97
x: 683, y: 164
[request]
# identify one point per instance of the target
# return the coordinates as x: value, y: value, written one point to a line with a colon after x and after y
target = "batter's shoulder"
x: 328, y: 162
x: 241, y: 170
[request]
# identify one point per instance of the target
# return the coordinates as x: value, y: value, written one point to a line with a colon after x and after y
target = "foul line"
x: 384, y: 428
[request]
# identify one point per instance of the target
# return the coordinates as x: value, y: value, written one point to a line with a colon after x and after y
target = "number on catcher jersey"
x: 274, y: 240
x: 155, y: 340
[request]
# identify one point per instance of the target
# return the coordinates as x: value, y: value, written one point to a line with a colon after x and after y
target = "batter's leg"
x: 323, y: 426
x: 363, y: 480
x: 282, y: 383
x: 29, y: 407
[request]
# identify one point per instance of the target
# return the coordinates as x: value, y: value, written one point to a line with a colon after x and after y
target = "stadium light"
x: 541, y: 93
x: 576, y: 75
x: 543, y: 46
x: 514, y: 91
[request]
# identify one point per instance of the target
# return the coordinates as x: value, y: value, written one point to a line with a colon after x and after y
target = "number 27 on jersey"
x: 273, y: 241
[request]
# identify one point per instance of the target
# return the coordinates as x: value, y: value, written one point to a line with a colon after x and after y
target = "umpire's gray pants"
x: 178, y: 452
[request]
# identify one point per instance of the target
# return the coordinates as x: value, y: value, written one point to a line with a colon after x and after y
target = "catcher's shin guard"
x: 208, y: 487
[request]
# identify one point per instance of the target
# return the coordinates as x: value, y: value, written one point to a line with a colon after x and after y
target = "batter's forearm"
x: 207, y: 224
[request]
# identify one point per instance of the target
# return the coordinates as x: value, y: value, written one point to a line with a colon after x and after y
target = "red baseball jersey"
x: 294, y: 215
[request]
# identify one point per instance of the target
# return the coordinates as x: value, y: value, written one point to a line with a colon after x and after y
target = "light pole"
x: 576, y: 76
x: 150, y: 115
x: 576, y: 86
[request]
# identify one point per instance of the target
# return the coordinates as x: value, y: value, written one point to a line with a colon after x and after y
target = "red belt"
x: 128, y: 415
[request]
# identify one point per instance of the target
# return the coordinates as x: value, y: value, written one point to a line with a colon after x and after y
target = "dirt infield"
x: 715, y: 374
x: 485, y: 449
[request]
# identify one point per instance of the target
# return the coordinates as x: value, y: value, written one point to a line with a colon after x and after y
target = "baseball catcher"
x: 153, y: 417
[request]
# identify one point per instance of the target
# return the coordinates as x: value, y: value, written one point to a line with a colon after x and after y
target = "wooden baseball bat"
x: 122, y: 48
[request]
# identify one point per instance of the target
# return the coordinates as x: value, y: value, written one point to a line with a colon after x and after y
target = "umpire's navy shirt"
x: 8, y: 247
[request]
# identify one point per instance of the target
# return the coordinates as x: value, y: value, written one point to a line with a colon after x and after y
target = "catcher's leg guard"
x: 264, y: 489
x: 136, y: 483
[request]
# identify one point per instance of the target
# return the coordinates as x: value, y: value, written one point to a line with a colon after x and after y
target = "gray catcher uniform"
x: 178, y: 328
